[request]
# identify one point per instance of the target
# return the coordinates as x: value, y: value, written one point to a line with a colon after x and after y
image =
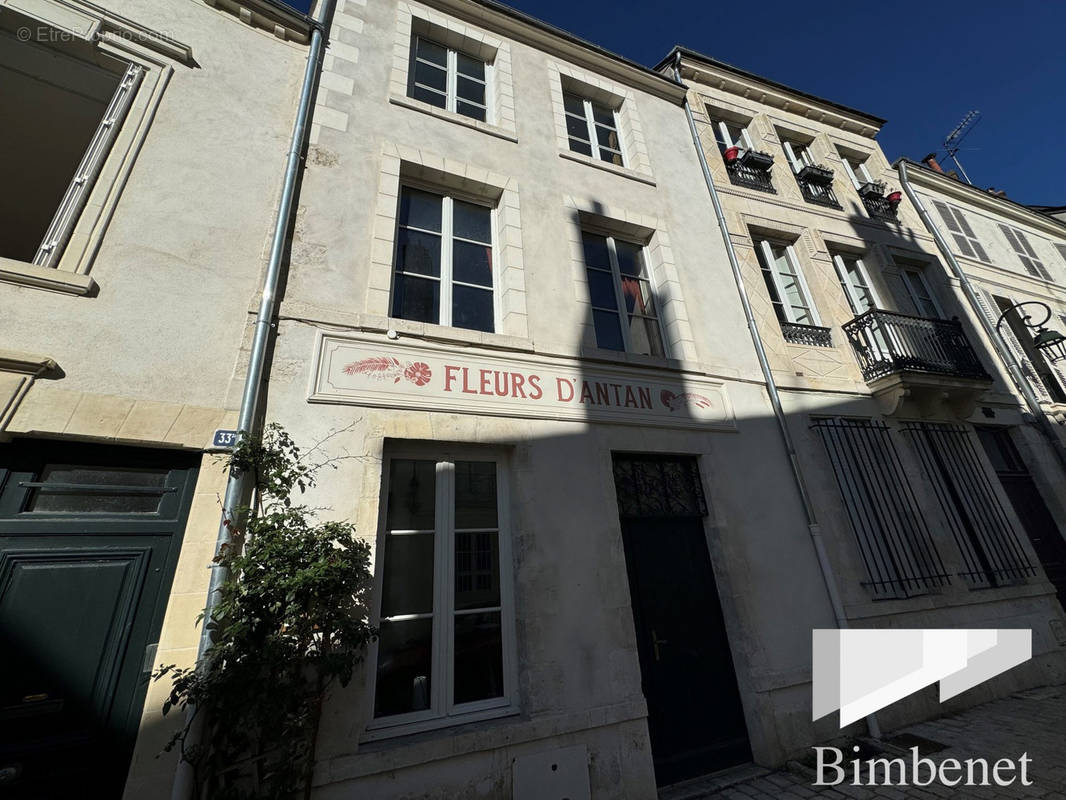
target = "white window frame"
x: 619, y: 295
x: 766, y: 246
x: 858, y: 173
x: 452, y: 80
x: 442, y: 711
x: 804, y: 159
x: 447, y: 238
x: 590, y: 127
x: 1019, y: 243
x: 721, y: 127
x: 849, y: 288
x: 966, y: 241
x: 918, y: 272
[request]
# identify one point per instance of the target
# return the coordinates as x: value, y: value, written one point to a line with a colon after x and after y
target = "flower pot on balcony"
x: 894, y: 198
x: 872, y: 189
x: 816, y: 174
x: 731, y: 154
x: 756, y: 160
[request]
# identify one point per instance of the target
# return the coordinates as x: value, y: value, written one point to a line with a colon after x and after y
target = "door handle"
x: 655, y: 642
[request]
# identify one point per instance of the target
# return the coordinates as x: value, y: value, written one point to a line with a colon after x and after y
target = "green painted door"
x: 89, y: 538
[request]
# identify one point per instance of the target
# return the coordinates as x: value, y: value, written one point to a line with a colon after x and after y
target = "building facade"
x: 124, y: 292
x: 510, y: 315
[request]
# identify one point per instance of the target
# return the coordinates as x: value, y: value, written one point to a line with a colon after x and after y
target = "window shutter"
x: 948, y: 216
x: 970, y: 235
x: 1062, y: 251
x: 987, y: 304
x: 1035, y: 261
x: 95, y: 154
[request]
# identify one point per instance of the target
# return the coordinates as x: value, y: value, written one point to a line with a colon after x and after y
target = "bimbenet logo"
x: 859, y: 672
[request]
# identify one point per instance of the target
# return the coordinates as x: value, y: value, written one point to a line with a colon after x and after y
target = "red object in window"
x: 731, y: 153
x: 895, y: 198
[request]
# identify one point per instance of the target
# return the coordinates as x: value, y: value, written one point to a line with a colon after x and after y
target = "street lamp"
x: 1050, y: 343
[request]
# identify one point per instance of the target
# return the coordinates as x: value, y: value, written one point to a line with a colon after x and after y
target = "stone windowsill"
x: 451, y: 116
x: 55, y: 280
x: 624, y: 172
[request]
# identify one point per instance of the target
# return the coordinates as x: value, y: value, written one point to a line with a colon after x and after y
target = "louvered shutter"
x: 987, y: 303
x: 956, y: 232
x: 966, y: 229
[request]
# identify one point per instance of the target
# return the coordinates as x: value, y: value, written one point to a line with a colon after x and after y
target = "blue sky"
x: 920, y: 65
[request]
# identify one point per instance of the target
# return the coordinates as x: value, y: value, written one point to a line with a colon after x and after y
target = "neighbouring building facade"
x: 508, y: 311
x: 146, y: 145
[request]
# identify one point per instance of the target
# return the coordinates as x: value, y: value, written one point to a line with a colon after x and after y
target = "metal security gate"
x: 89, y: 539
x: 695, y: 717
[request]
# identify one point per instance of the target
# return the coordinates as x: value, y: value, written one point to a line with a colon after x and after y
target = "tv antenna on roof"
x: 951, y: 143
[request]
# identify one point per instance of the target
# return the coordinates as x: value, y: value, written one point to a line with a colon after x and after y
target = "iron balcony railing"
x: 806, y: 334
x: 816, y: 183
x: 887, y: 342
x: 750, y: 177
x: 880, y: 208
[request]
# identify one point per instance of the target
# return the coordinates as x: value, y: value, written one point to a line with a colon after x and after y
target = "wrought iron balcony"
x: 806, y: 334
x: 751, y: 177
x: 887, y: 342
x: 880, y: 208
x: 816, y: 183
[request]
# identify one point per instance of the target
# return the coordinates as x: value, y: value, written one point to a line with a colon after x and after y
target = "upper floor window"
x: 592, y: 129
x: 785, y: 283
x: 69, y: 112
x: 961, y: 232
x: 449, y: 79
x: 623, y: 304
x: 443, y: 267
x: 799, y: 155
x: 855, y: 281
x: 446, y: 634
x: 731, y: 134
x: 856, y: 170
x: 918, y: 291
x: 1020, y: 244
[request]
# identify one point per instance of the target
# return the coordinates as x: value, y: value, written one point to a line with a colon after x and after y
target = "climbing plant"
x: 290, y: 621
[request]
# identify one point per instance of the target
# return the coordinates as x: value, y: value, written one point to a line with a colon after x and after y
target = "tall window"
x: 855, y: 281
x: 443, y: 266
x: 623, y: 303
x: 961, y: 232
x: 1020, y: 244
x: 892, y: 534
x: 799, y: 155
x: 921, y: 296
x: 856, y: 171
x: 592, y: 129
x: 446, y: 632
x: 449, y: 79
x: 785, y: 283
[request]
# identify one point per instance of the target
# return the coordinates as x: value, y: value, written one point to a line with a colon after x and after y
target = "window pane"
x: 407, y: 587
x: 432, y: 52
x: 405, y: 661
x: 418, y: 252
x: 412, y: 493
x: 472, y: 222
x: 595, y: 248
x: 478, y: 657
x: 477, y: 570
x: 603, y: 115
x: 645, y: 337
x: 472, y: 263
x: 420, y: 209
x: 574, y: 105
x: 470, y: 110
x: 475, y: 494
x: 473, y: 91
x: 629, y: 260
x: 470, y: 66
x: 611, y: 157
x: 636, y: 294
x: 575, y: 126
x: 429, y: 96
x: 472, y: 309
x: 601, y: 289
x: 608, y: 330
x: 607, y: 137
x: 417, y: 299
x: 110, y: 499
x: 431, y: 76
x: 579, y: 146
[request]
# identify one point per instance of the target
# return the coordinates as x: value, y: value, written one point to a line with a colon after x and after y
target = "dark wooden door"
x: 695, y: 717
x: 89, y: 538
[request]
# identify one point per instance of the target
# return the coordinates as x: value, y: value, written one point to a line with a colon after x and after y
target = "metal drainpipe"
x: 813, y: 528
x: 237, y: 486
x: 994, y: 336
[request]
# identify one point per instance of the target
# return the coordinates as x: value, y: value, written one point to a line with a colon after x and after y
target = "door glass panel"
x: 412, y: 492
x: 405, y: 661
x: 477, y: 570
x: 478, y: 657
x: 475, y: 494
x: 407, y: 586
x: 101, y: 490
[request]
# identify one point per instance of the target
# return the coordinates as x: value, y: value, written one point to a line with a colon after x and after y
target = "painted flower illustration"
x: 418, y: 373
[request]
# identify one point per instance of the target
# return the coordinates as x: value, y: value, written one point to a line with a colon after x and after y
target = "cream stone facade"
x: 120, y: 348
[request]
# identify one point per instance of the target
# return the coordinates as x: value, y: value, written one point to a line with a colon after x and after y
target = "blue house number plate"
x: 224, y: 438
